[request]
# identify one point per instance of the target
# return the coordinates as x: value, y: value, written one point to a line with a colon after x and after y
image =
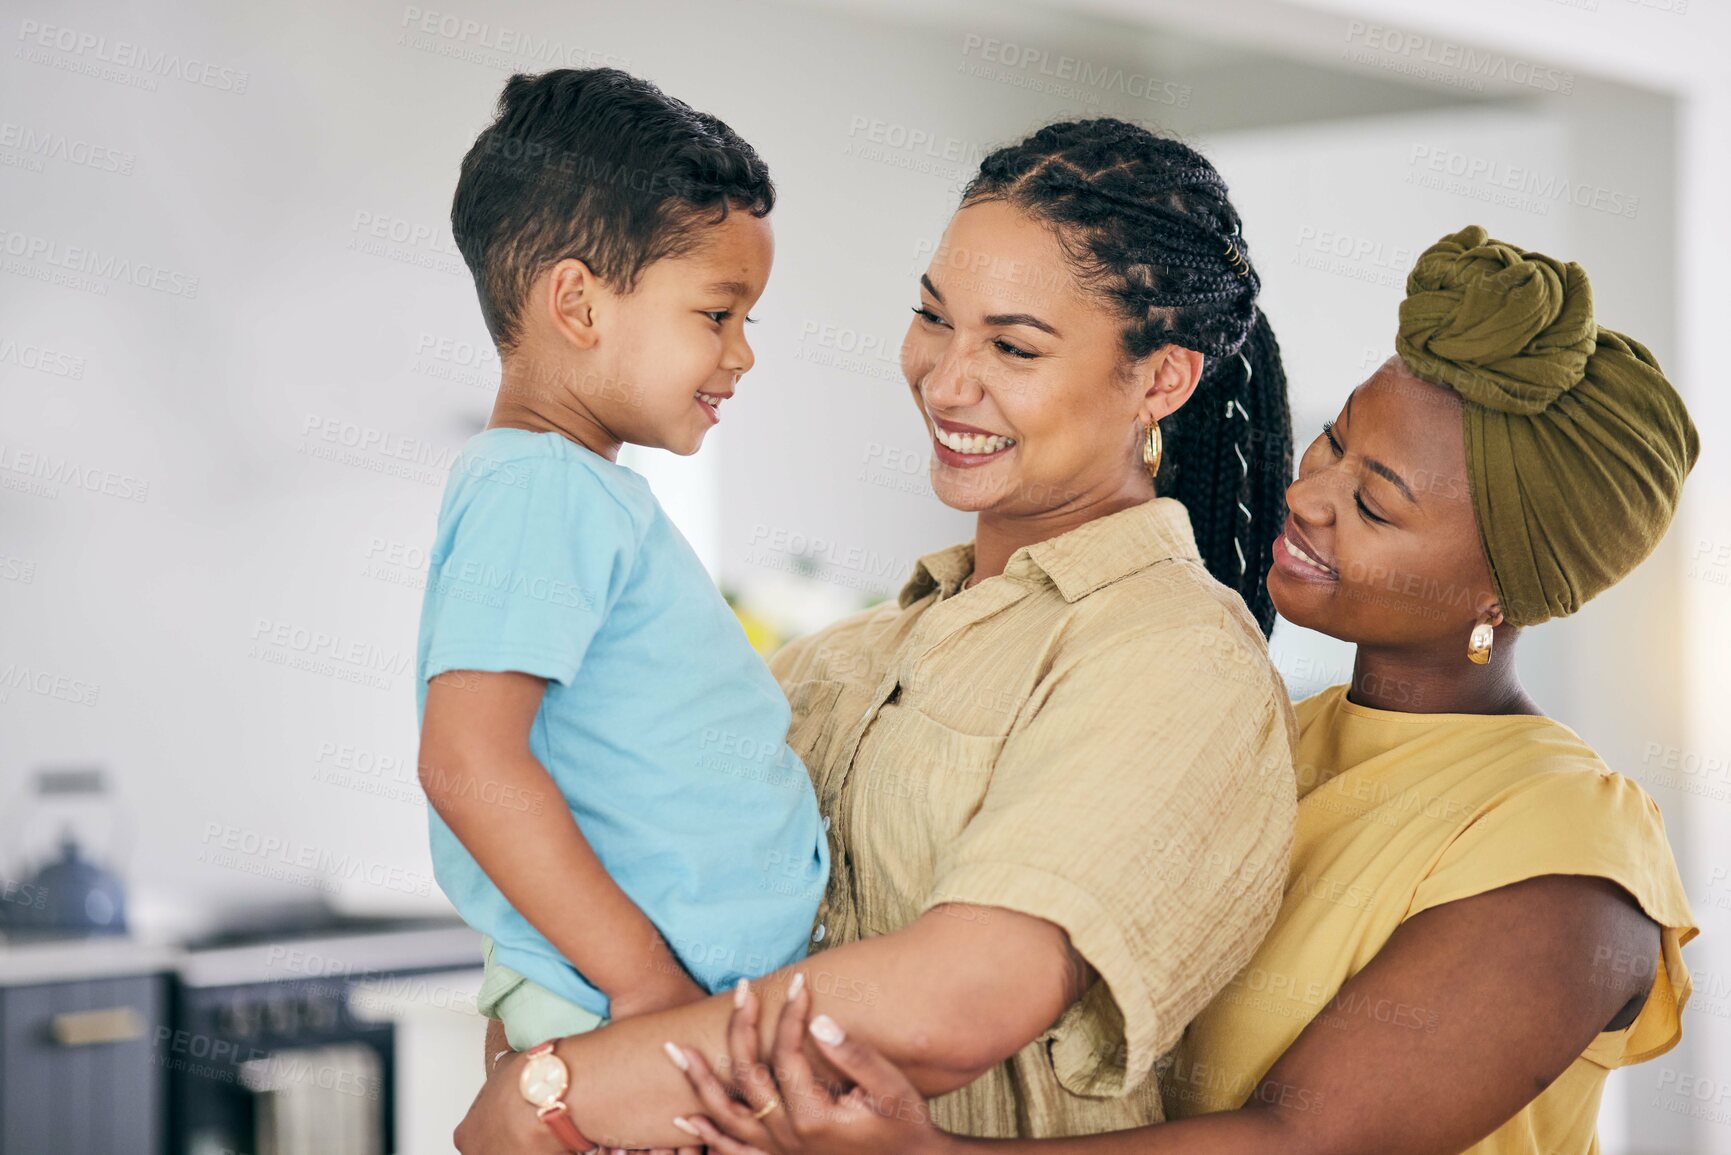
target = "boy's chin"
x: 686, y: 444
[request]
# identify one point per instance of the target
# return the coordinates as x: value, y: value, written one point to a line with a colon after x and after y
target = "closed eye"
x: 1357, y: 494
x: 929, y: 317
x: 1014, y: 350
x: 1358, y: 499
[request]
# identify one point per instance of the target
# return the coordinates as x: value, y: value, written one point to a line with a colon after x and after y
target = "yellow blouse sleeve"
x: 1148, y: 810
x: 1589, y: 821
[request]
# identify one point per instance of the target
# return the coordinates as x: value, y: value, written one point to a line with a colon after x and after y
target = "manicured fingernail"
x: 827, y: 1030
x: 677, y: 1056
x: 739, y: 990
x: 797, y: 985
x: 684, y: 1125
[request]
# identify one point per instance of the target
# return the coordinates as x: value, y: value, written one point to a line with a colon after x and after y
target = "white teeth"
x: 1298, y: 553
x: 973, y: 443
x: 710, y: 399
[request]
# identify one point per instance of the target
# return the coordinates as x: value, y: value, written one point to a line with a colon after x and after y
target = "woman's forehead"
x: 1411, y: 422
x: 998, y: 257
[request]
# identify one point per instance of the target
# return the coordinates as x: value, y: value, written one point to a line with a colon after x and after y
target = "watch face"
x: 544, y: 1079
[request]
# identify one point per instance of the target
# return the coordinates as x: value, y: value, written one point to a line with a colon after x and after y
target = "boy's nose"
x: 738, y: 357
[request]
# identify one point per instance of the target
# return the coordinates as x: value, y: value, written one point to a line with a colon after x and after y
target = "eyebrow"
x: 1382, y: 470
x: 1378, y: 467
x: 997, y: 318
x: 728, y: 288
x: 1021, y: 319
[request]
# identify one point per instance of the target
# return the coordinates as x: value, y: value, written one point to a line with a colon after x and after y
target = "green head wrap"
x: 1577, y: 446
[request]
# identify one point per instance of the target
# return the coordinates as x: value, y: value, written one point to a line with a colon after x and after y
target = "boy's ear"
x: 570, y: 293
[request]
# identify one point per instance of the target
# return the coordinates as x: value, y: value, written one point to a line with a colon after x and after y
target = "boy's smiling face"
x: 652, y: 366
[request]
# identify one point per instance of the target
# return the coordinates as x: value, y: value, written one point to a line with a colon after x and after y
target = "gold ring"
x: 766, y: 1109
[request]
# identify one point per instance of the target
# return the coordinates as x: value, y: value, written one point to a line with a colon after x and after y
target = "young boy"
x: 614, y: 805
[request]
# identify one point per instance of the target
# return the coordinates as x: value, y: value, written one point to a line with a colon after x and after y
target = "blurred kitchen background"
x: 238, y: 351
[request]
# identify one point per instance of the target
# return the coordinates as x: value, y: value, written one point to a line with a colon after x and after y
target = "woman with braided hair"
x: 1482, y: 918
x: 1057, y: 771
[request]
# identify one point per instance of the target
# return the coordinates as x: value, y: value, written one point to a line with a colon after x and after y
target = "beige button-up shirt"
x: 1095, y: 737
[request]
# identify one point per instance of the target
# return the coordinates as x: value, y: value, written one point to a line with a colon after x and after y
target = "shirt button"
x: 826, y: 824
x: 817, y: 935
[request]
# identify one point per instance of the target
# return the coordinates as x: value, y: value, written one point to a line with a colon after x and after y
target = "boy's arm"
x: 500, y: 802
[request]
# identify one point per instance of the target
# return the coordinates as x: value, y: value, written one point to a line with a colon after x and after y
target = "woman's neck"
x: 1440, y: 680
x: 997, y: 536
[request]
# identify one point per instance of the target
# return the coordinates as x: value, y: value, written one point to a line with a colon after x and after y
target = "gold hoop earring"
x: 1479, y: 645
x: 1151, y: 449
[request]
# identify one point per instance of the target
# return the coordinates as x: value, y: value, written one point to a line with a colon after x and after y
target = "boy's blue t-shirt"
x: 661, y: 726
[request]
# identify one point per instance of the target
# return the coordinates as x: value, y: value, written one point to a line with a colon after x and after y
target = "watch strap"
x: 559, y: 1121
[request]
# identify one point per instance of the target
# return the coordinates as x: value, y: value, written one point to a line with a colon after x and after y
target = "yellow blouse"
x: 1096, y: 738
x: 1403, y: 812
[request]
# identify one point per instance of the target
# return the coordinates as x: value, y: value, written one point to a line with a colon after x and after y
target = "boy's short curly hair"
x: 599, y: 165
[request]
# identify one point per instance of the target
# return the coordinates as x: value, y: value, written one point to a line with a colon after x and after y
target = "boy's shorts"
x: 531, y: 1013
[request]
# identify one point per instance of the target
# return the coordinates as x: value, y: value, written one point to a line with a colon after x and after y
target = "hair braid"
x: 1147, y: 222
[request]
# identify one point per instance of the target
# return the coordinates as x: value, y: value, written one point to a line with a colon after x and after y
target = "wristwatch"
x: 544, y: 1080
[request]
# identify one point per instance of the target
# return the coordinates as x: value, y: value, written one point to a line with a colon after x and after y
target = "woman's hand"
x: 882, y: 1112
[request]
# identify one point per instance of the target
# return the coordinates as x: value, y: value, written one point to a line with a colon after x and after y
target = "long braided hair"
x: 1146, y: 222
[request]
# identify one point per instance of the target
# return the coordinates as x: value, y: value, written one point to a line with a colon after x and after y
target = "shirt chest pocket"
x: 915, y: 785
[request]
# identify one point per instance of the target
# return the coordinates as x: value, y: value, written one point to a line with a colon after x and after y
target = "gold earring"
x: 1151, y: 449
x: 1479, y: 645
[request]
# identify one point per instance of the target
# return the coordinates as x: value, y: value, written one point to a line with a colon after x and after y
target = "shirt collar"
x: 943, y: 570
x: 1080, y: 561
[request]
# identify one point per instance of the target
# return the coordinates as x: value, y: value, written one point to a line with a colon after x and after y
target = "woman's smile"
x: 1298, y: 559
x: 967, y: 446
